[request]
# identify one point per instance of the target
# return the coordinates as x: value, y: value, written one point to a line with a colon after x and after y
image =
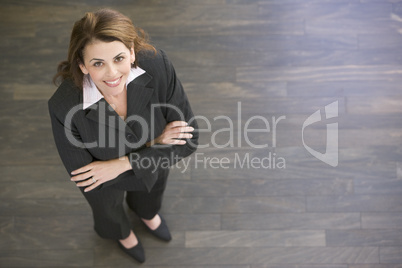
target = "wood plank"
x: 182, y: 258
x: 17, y: 30
x: 363, y: 88
x: 318, y: 74
x: 197, y: 75
x: 264, y: 255
x: 7, y: 92
x: 313, y: 136
x: 316, y: 255
x: 391, y: 254
x: 36, y: 11
x: 303, y: 170
x: 375, y: 266
x: 44, y: 207
x: 352, y: 26
x: 6, y: 224
x: 248, y: 204
x: 77, y: 240
x: 180, y: 172
x: 325, y: 10
x: 354, y: 162
x: 291, y: 57
x: 366, y: 238
x: 61, y: 224
x: 32, y: 91
x: 23, y: 241
x: 254, y: 239
x: 29, y: 71
x: 382, y: 220
x: 49, y: 50
x: 33, y: 145
x: 293, y: 121
x: 186, y: 222
x: 355, y: 203
x: 378, y: 186
x: 266, y: 105
x: 265, y: 2
x: 220, y: 27
x: 32, y: 190
x: 380, y: 41
x: 223, y: 186
x: 196, y: 266
x: 292, y: 221
x: 377, y: 105
x: 218, y: 11
x: 300, y: 266
x: 376, y: 1
x: 46, y: 258
x: 21, y: 173
x: 397, y: 7
x: 33, y: 110
x: 234, y: 91
x: 256, y: 43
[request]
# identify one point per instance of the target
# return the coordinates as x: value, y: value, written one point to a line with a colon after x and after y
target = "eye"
x: 120, y: 58
x: 98, y: 64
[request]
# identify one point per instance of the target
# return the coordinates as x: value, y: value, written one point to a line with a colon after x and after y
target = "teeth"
x: 114, y: 82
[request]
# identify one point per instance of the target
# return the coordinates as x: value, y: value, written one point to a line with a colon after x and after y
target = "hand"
x: 98, y: 172
x: 173, y: 133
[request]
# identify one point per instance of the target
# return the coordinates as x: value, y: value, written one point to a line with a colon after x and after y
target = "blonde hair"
x: 105, y: 25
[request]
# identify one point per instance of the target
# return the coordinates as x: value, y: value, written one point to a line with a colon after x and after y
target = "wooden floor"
x: 239, y: 60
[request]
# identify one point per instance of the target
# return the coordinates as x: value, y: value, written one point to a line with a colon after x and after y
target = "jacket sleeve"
x: 72, y: 155
x: 159, y: 155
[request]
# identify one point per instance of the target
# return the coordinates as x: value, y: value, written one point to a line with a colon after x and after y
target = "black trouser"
x: 110, y: 219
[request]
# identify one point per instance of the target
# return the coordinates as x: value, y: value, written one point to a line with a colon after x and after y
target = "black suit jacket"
x: 97, y: 133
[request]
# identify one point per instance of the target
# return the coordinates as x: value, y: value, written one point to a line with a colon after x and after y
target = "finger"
x: 184, y: 129
x: 173, y: 138
x: 178, y: 142
x: 182, y: 135
x: 93, y: 186
x: 178, y: 130
x: 85, y: 183
x: 82, y: 169
x: 177, y: 124
x: 82, y: 176
x: 188, y: 129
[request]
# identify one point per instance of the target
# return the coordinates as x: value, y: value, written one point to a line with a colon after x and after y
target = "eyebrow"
x: 118, y: 55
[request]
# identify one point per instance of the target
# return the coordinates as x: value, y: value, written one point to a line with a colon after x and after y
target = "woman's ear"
x: 83, y: 68
x: 132, y: 55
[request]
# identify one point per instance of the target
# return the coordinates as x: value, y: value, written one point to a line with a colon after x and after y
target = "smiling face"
x: 109, y: 65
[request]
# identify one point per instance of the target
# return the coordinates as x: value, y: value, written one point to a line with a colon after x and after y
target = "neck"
x: 115, y: 97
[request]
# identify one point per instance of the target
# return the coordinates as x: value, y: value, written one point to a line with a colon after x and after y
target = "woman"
x: 120, y: 118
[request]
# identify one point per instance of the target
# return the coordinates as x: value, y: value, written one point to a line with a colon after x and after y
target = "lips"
x: 113, y: 83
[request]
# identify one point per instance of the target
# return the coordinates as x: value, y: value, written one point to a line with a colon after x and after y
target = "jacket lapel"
x: 138, y: 96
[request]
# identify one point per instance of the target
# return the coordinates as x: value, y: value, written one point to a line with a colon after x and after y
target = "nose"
x: 111, y: 71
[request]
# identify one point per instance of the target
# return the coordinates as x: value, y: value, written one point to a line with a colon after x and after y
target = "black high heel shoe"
x: 136, y: 252
x: 162, y: 232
